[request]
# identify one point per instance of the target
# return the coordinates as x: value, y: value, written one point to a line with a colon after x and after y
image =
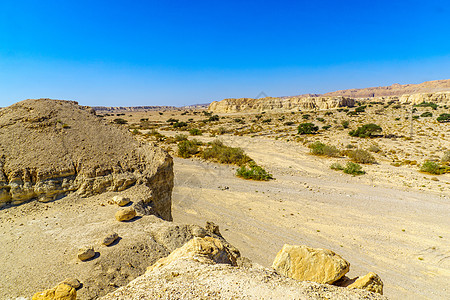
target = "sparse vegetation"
x: 336, y: 167
x: 345, y: 124
x: 353, y: 169
x: 443, y: 118
x: 120, y: 121
x: 318, y: 148
x: 307, y: 128
x: 220, y: 153
x: 427, y: 104
x: 367, y: 130
x: 360, y: 156
x: 432, y: 167
x: 187, y: 148
x: 253, y: 172
x: 195, y: 131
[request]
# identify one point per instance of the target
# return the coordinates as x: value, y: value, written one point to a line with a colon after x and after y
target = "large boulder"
x: 49, y: 148
x: 305, y: 263
x: 205, y: 249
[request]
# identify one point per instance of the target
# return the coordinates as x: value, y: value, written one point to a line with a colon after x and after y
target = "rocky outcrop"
x: 279, y: 104
x: 198, y: 271
x: 49, y: 148
x: 304, y: 263
x: 394, y: 90
x: 206, y: 249
x: 62, y: 291
x: 371, y: 282
x: 442, y: 98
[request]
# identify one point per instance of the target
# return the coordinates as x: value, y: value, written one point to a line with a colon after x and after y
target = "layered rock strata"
x: 49, y: 148
x: 279, y: 104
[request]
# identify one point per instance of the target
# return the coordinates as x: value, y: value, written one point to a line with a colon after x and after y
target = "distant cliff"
x: 279, y: 104
x: 395, y: 90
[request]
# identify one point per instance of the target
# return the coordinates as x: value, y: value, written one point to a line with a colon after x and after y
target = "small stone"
x: 73, y: 282
x: 110, y: 238
x: 371, y: 282
x: 120, y: 200
x: 86, y: 252
x: 125, y: 214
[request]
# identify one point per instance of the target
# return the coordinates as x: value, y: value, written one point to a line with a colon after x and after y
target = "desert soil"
x: 378, y: 222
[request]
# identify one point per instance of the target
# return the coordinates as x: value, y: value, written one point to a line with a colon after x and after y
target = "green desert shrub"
x: 179, y: 124
x: 353, y: 169
x: 253, y: 172
x: 367, y: 130
x: 180, y: 137
x: 326, y: 127
x: 213, y: 118
x: 187, y: 148
x: 374, y: 148
x: 289, y: 123
x: 120, y: 121
x: 426, y: 114
x: 427, y: 104
x: 360, y: 156
x: 195, y: 131
x: 443, y: 118
x: 306, y: 116
x: 220, y: 153
x: 307, y: 128
x: 345, y: 124
x: 432, y: 167
x: 318, y: 148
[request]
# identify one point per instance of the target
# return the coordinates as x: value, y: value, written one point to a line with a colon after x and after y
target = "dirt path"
x: 382, y: 221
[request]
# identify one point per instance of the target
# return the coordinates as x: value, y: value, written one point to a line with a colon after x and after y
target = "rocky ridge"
x: 49, y: 148
x: 279, y: 104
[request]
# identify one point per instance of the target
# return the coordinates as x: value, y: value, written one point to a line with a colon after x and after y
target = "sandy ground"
x: 376, y: 221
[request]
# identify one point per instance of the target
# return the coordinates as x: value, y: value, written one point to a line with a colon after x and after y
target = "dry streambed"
x: 374, y: 221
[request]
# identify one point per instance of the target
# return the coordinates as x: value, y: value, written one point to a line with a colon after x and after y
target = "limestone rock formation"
x: 304, y: 263
x: 371, y: 282
x: 394, y: 90
x: 204, y: 249
x: 193, y: 278
x: 279, y: 104
x: 442, y: 98
x: 49, y: 148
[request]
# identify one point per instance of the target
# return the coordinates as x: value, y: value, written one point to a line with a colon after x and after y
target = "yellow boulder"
x: 371, y: 282
x: 304, y: 263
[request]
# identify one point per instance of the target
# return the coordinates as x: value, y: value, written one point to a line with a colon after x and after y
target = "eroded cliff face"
x: 442, y: 98
x: 49, y: 148
x: 279, y: 104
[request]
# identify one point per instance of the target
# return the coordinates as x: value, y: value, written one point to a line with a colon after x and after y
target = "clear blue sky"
x: 124, y: 53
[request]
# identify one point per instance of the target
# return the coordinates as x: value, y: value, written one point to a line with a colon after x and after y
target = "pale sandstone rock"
x: 120, y: 200
x: 207, y: 249
x: 73, y: 282
x: 86, y: 253
x: 442, y: 98
x: 125, y: 214
x: 41, y: 159
x: 110, y: 238
x: 295, y: 103
x: 304, y: 263
x: 198, y: 231
x: 371, y: 282
x: 192, y: 279
x: 61, y: 292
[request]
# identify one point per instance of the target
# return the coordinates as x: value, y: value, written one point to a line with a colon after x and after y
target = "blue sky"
x: 124, y: 53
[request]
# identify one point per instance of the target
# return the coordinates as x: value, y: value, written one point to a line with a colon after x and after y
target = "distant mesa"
x: 432, y: 91
x: 49, y: 148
